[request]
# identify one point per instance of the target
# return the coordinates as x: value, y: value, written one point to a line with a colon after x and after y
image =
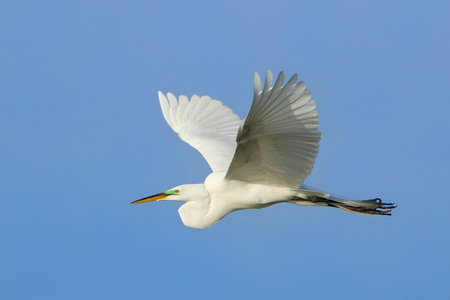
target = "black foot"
x: 373, y: 207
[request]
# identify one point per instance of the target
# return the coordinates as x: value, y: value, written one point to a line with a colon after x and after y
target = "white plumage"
x: 205, y: 124
x: 256, y: 162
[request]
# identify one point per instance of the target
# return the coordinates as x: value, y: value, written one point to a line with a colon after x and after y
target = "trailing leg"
x: 372, y: 206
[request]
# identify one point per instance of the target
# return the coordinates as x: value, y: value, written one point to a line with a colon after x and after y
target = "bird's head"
x: 194, y: 213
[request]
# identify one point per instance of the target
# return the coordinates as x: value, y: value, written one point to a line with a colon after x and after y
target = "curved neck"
x: 199, y: 214
x: 199, y: 211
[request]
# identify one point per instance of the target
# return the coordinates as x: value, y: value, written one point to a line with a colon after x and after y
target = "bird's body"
x: 256, y: 162
x: 223, y: 200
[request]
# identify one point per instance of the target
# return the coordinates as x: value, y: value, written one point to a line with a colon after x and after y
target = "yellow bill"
x: 151, y: 198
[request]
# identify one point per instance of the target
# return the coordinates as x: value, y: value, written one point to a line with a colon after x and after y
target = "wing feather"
x: 279, y: 140
x: 205, y: 124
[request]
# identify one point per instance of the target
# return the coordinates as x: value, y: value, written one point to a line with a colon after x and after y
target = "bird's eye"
x: 177, y: 191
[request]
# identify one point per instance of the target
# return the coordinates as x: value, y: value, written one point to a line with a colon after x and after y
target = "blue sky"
x: 83, y: 136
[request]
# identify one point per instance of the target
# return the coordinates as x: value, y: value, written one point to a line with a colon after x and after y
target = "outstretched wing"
x: 279, y: 140
x: 205, y: 124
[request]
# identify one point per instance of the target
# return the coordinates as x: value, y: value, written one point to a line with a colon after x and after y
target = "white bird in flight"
x: 256, y: 162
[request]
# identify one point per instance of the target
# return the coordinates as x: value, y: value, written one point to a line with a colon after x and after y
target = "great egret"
x: 256, y: 162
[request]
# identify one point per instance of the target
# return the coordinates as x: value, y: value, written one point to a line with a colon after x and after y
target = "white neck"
x: 197, y: 212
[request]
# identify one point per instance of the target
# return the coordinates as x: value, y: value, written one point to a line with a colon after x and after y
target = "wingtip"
x: 269, y: 76
x: 161, y: 96
x: 257, y: 82
x: 281, y: 75
x: 295, y: 77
